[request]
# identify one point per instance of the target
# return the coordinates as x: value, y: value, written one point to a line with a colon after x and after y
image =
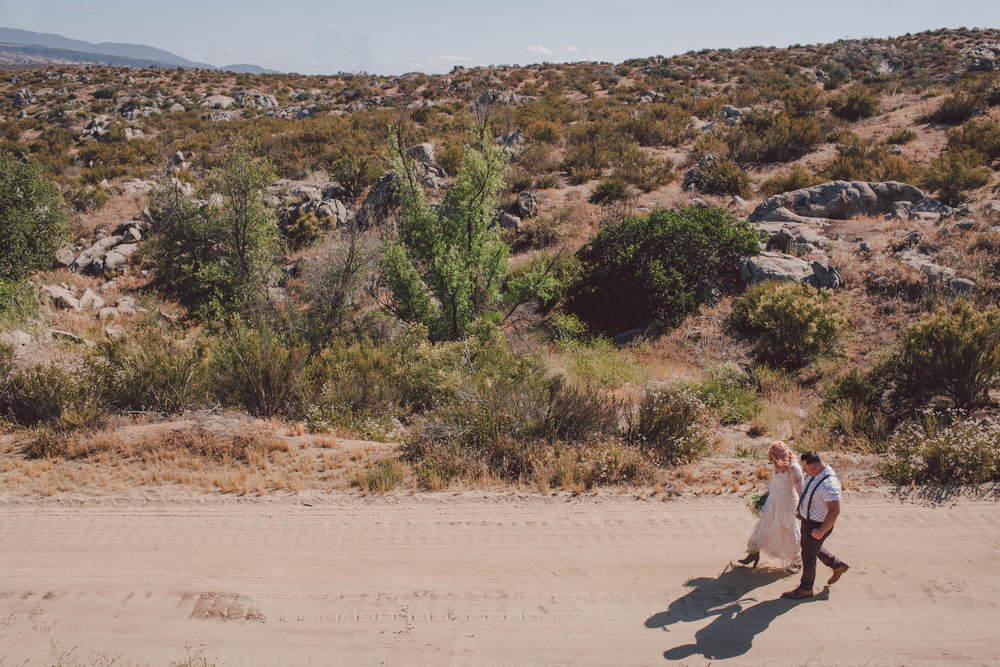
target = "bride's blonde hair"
x: 781, y: 454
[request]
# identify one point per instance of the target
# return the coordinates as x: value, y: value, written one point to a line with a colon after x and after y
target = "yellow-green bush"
x: 792, y: 322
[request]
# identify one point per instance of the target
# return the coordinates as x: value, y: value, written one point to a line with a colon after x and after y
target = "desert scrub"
x: 981, y: 136
x: 600, y: 363
x: 255, y: 369
x: 381, y: 476
x: 955, y: 450
x: 152, y: 368
x: 954, y: 352
x: 954, y: 109
x: 722, y: 177
x: 792, y: 322
x: 900, y: 136
x: 729, y: 393
x: 955, y: 172
x: 19, y: 301
x: 858, y: 103
x: 857, y: 160
x: 794, y: 179
x: 509, y: 430
x: 672, y: 426
x: 647, y: 270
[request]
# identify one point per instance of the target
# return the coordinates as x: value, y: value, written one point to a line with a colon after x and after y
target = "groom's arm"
x: 832, y: 512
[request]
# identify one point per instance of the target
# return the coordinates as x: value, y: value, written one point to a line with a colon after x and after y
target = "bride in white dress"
x: 777, y: 530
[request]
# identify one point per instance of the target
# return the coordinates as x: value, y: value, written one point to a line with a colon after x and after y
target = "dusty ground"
x: 484, y: 578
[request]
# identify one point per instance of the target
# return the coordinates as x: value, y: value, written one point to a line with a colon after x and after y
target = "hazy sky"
x: 395, y: 36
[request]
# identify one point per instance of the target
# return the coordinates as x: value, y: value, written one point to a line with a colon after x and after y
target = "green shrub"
x: 765, y: 137
x: 254, y: 369
x: 965, y: 451
x: 954, y: 109
x: 567, y: 328
x: 855, y: 411
x: 858, y: 160
x: 955, y: 172
x: 802, y: 100
x: 19, y: 301
x: 219, y: 262
x: 646, y: 270
x: 730, y: 394
x: 381, y: 476
x: 981, y: 136
x: 32, y: 223
x: 858, y: 103
x: 510, y: 429
x: 794, y: 179
x: 722, y: 177
x: 599, y: 363
x: 40, y: 395
x: 954, y: 352
x: 673, y: 426
x: 152, y: 368
x: 901, y: 135
x: 793, y: 322
x: 612, y: 190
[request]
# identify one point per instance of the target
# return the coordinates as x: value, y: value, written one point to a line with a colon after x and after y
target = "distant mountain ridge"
x: 110, y: 53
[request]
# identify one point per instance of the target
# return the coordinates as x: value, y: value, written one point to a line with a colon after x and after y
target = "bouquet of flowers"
x: 755, y: 501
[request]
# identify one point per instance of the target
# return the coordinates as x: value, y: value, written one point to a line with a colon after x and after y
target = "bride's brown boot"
x: 753, y: 557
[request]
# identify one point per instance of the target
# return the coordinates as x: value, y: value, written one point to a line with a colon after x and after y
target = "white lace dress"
x: 777, y: 530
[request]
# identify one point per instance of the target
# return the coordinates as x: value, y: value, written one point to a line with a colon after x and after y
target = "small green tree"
x: 31, y: 220
x: 955, y: 352
x: 219, y: 260
x: 445, y: 264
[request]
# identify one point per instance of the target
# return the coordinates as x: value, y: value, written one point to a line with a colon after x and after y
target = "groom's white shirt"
x: 827, y: 491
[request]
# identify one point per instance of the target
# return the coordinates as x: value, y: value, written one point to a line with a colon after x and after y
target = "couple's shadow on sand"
x: 739, y: 617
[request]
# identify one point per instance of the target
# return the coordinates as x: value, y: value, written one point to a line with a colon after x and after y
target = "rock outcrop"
x: 840, y: 200
x: 779, y: 266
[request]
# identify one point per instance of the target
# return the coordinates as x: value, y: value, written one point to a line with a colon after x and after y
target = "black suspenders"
x: 811, y: 494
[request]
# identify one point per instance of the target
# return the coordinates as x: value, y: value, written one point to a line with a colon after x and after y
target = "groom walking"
x: 819, y: 507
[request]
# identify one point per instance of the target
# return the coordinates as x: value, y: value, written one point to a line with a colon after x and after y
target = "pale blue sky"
x: 394, y: 36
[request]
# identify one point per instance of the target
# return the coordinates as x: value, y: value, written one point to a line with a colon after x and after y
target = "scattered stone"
x: 62, y: 297
x: 107, y: 313
x: 24, y: 97
x: 964, y: 225
x: 217, y: 101
x: 90, y: 301
x: 527, y: 205
x: 65, y: 257
x: 925, y: 265
x: 255, y: 99
x: 508, y: 221
x: 15, y: 338
x: 962, y: 285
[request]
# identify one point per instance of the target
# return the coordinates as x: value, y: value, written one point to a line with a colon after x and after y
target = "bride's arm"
x: 796, y: 473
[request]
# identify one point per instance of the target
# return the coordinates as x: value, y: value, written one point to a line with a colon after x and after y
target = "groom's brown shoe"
x: 798, y: 594
x: 837, y: 572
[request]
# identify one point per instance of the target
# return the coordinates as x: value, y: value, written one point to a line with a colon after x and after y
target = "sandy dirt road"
x: 486, y: 579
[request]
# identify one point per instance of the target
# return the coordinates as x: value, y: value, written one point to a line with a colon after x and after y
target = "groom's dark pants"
x: 813, y: 549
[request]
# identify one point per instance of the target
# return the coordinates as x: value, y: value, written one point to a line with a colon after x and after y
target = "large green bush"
x: 219, y: 261
x: 954, y: 352
x: 792, y: 322
x: 32, y: 221
x: 647, y: 270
